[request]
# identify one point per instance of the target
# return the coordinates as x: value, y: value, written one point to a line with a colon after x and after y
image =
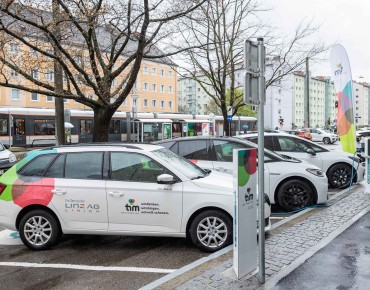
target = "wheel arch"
x: 194, y: 214
x: 29, y: 208
x: 299, y: 178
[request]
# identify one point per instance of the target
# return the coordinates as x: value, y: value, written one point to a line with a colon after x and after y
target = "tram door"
x: 86, y: 131
x: 19, y: 135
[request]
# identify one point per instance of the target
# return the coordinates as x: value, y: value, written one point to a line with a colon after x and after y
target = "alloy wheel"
x: 212, y: 232
x: 37, y: 230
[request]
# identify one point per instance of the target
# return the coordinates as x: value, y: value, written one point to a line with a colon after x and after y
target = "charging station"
x: 365, y: 152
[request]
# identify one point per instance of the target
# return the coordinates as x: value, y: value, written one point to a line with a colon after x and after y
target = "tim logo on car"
x: 131, y: 207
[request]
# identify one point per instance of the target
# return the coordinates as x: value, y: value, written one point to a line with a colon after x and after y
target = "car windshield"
x: 181, y: 164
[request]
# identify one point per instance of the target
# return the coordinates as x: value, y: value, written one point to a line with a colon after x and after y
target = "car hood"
x: 217, y: 181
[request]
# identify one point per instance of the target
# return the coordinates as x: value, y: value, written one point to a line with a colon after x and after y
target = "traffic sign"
x: 229, y: 119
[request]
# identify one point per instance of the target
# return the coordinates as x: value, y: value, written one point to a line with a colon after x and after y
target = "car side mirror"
x: 165, y: 179
x: 311, y: 152
x: 6, y: 146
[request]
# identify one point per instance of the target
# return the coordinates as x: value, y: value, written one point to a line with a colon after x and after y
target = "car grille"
x: 4, y: 161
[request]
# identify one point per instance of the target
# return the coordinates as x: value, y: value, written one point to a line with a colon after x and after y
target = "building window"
x: 34, y: 97
x: 154, y: 103
x: 33, y: 53
x: 162, y: 88
x: 145, y: 70
x: 154, y: 87
x: 134, y: 102
x: 49, y: 76
x: 15, y: 95
x: 66, y: 101
x: 14, y: 48
x: 154, y: 71
x: 170, y: 73
x: 13, y: 73
x: 35, y: 74
x: 145, y: 102
x: 49, y: 99
x: 145, y: 86
x: 162, y: 104
x: 162, y: 72
x: 170, y: 89
x: 170, y: 104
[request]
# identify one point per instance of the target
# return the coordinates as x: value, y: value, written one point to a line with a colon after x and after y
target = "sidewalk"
x: 287, y: 247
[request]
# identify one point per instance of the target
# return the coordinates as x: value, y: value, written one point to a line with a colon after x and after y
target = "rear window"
x: 194, y: 149
x: 87, y: 165
x: 37, y: 166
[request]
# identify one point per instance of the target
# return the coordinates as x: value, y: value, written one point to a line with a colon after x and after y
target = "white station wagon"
x: 126, y: 189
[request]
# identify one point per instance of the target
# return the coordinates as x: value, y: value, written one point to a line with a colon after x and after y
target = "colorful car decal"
x: 25, y: 191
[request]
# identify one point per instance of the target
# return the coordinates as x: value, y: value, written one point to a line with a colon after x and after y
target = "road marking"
x: 88, y: 268
x: 277, y: 218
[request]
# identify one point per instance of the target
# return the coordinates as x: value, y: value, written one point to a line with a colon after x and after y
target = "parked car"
x: 289, y: 182
x: 320, y: 135
x: 337, y: 165
x: 362, y: 134
x: 116, y: 189
x: 7, y: 158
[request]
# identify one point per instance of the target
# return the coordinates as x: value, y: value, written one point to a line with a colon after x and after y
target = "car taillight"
x: 2, y: 188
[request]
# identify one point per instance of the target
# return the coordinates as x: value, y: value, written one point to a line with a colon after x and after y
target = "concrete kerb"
x: 308, y: 254
x: 213, y: 256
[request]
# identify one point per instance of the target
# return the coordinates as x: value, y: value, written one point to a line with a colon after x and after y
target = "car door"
x: 136, y: 202
x: 197, y: 151
x: 315, y: 135
x: 78, y: 187
x: 297, y: 148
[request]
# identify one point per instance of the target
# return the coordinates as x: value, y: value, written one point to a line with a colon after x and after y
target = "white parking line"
x: 277, y: 218
x: 88, y: 268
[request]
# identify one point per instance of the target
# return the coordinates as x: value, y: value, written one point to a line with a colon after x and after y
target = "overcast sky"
x: 343, y: 21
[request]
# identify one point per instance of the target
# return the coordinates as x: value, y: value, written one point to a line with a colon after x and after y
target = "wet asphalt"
x: 343, y: 264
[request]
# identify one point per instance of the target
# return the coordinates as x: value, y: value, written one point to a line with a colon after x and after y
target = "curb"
x: 300, y: 260
x: 191, y: 266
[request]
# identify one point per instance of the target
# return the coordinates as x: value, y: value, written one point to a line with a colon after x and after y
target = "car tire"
x: 339, y: 175
x: 39, y: 230
x: 211, y: 230
x: 326, y: 140
x: 295, y: 194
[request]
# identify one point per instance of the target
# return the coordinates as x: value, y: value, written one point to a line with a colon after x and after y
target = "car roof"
x: 105, y: 147
x: 197, y: 138
x: 265, y: 134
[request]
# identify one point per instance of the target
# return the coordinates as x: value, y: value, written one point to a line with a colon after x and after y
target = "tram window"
x: 44, y: 127
x: 3, y: 127
x: 86, y: 127
x: 114, y: 127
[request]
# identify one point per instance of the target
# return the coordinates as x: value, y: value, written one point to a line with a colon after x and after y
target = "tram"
x: 36, y: 127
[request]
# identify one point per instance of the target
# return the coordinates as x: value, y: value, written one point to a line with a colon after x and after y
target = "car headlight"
x: 316, y: 172
x: 12, y: 158
x: 355, y: 158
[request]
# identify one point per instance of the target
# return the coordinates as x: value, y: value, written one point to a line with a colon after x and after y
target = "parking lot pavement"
x: 92, y: 262
x: 286, y: 247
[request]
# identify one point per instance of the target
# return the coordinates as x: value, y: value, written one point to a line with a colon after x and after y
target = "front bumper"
x: 322, y: 187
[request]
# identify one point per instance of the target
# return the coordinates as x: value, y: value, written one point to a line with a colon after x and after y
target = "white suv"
x: 126, y: 189
x: 320, y: 135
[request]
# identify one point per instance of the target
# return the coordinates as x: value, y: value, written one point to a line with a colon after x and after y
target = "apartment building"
x: 361, y: 103
x: 154, y: 90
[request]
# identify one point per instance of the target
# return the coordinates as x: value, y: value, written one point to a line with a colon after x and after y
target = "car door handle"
x: 116, y: 193
x: 220, y: 169
x: 58, y: 191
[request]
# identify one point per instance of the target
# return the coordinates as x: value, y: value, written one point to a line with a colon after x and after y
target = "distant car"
x: 320, y: 135
x: 289, y: 182
x: 125, y: 189
x: 7, y: 158
x: 337, y: 165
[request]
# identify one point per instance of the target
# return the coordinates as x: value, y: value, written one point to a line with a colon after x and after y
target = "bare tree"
x: 101, y: 42
x: 218, y: 31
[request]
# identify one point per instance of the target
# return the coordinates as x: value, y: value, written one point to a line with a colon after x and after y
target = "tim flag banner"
x: 341, y: 70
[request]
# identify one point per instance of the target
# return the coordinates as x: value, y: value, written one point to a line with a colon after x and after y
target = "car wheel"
x: 326, y: 140
x: 211, y: 231
x: 339, y: 176
x: 294, y: 194
x: 39, y: 230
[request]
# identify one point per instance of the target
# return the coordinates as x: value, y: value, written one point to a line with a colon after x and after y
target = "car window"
x: 37, y: 166
x: 84, y: 165
x: 288, y: 144
x: 315, y: 147
x: 56, y: 170
x: 194, y: 149
x: 135, y: 167
x: 168, y: 144
x: 224, y: 149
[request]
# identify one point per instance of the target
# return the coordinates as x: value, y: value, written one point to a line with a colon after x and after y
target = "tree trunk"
x: 102, y: 118
x: 226, y: 123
